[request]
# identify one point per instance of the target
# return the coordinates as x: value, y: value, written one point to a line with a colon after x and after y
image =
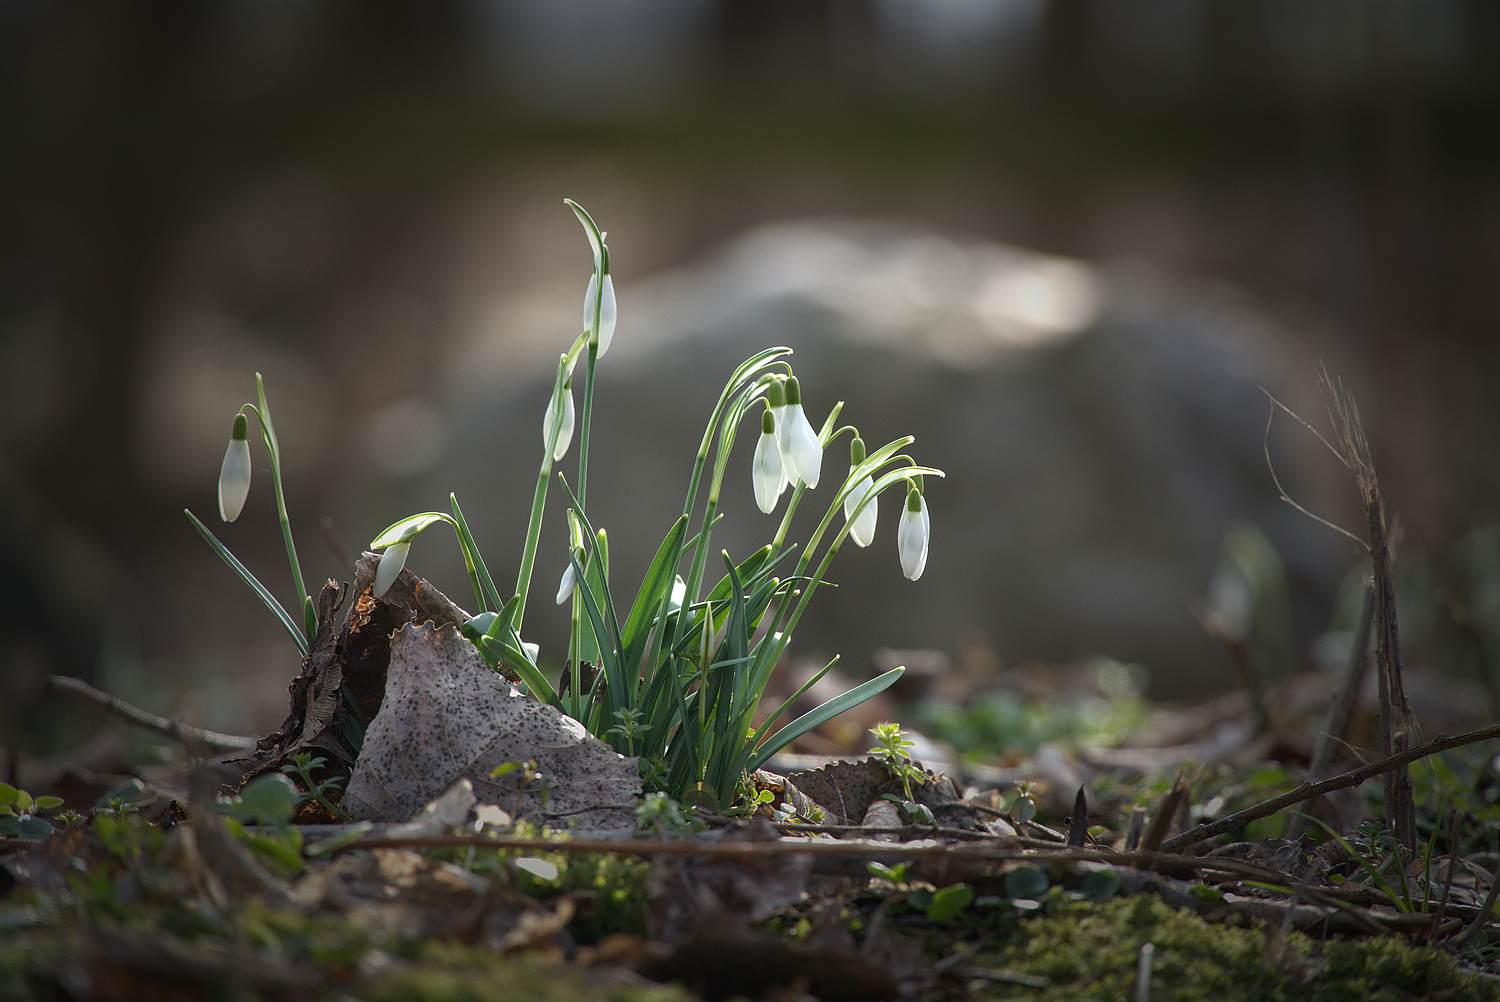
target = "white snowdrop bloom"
x: 912, y: 534
x: 565, y: 432
x: 565, y: 587
x: 801, y: 453
x: 606, y: 311
x: 391, y: 562
x: 861, y: 528
x: 234, y: 475
x: 767, y: 474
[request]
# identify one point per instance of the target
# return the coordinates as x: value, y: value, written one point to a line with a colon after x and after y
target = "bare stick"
x: 1397, y: 725
x: 1342, y: 707
x: 1307, y: 791
x: 175, y: 729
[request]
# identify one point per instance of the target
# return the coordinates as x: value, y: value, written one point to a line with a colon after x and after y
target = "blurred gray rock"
x: 1101, y: 428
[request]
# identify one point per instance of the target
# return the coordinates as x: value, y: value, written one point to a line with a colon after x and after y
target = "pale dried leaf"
x: 448, y: 716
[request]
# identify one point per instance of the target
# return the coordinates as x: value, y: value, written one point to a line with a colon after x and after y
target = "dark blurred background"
x: 363, y: 201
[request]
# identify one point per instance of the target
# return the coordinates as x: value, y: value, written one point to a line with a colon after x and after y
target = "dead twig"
x: 1397, y: 723
x: 1308, y: 790
x: 1336, y: 723
x: 174, y: 729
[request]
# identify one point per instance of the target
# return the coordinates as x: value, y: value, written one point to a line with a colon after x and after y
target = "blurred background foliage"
x: 364, y: 202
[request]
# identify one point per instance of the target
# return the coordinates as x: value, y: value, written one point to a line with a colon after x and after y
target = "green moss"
x: 1091, y: 951
x: 452, y: 973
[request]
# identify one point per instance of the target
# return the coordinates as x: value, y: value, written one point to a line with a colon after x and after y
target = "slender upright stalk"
x: 309, y: 615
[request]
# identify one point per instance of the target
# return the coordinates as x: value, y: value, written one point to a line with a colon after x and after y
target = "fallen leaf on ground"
x: 447, y: 716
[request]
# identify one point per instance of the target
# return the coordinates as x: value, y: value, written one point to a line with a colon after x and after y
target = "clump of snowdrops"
x: 679, y: 679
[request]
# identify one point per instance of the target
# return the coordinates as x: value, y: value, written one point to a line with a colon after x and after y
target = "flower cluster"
x: 789, y: 452
x: 676, y: 679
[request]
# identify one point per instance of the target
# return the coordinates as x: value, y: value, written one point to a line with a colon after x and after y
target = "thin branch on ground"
x: 1307, y: 791
x: 187, y: 734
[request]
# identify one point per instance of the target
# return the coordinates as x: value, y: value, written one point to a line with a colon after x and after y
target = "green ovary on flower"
x: 234, y: 475
x: 912, y: 534
x: 391, y: 563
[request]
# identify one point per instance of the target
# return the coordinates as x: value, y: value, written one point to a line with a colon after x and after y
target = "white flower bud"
x: 391, y: 563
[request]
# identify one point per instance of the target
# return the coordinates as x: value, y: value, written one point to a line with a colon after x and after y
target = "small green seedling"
x: 948, y: 902
x: 1026, y: 886
x: 895, y: 873
x: 303, y: 766
x: 24, y: 816
x: 268, y: 801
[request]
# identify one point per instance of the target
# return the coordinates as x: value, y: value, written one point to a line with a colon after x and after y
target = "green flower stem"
x: 268, y: 433
x: 586, y: 419
x: 544, y: 475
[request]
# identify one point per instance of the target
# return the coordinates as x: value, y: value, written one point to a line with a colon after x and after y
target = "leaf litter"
x: 832, y: 890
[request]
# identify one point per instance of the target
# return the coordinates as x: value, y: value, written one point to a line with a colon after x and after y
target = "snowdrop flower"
x: 606, y: 308
x: 912, y: 533
x: 801, y: 453
x: 862, y: 527
x: 234, y: 475
x: 391, y: 562
x: 767, y: 474
x: 565, y: 432
x: 565, y: 588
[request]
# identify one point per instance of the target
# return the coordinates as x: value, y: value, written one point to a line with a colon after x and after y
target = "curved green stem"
x: 268, y: 433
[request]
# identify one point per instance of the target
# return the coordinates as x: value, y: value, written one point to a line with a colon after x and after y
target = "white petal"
x: 766, y: 474
x: 911, y: 541
x: 565, y: 588
x: 565, y: 433
x: 862, y: 528
x: 234, y: 479
x: 606, y: 312
x: 391, y: 562
x: 607, y: 316
x: 800, y: 450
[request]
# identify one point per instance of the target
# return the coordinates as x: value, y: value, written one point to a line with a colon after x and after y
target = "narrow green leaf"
x: 287, y: 622
x: 656, y: 590
x: 823, y: 713
x: 404, y: 530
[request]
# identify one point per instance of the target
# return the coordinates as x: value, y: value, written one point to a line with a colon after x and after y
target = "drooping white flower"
x: 391, y: 562
x: 861, y: 526
x: 234, y: 475
x: 767, y: 474
x: 565, y: 432
x: 565, y: 588
x: 606, y: 311
x: 801, y: 453
x: 912, y: 534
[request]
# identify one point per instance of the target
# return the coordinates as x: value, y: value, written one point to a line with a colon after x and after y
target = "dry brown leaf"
x: 447, y: 716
